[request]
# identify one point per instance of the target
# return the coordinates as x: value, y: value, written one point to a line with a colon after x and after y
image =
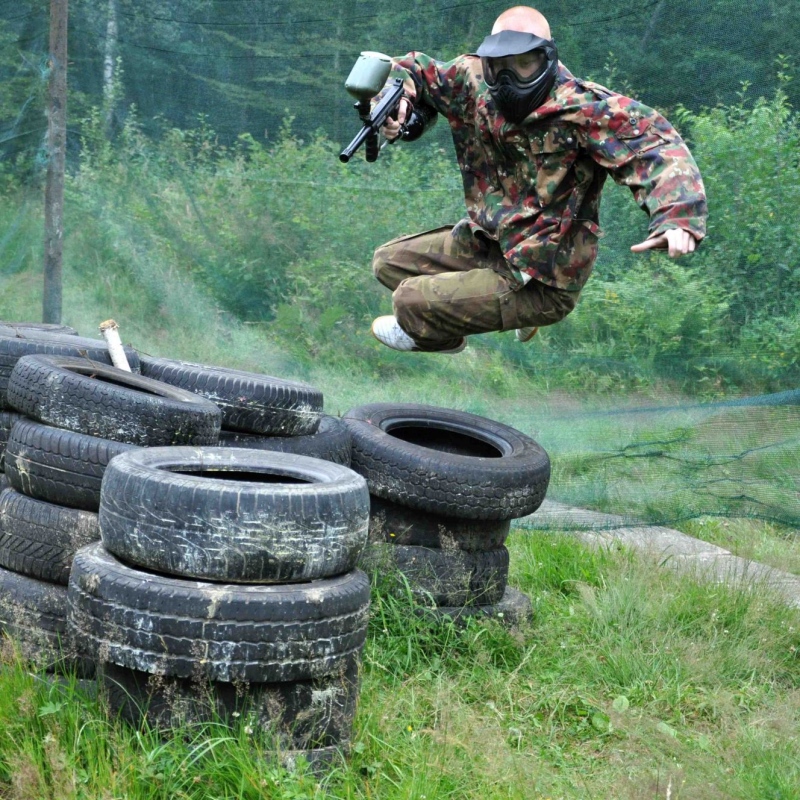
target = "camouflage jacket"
x: 535, y: 187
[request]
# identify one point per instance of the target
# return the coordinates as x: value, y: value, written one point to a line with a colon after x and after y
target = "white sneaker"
x: 526, y: 334
x: 387, y: 331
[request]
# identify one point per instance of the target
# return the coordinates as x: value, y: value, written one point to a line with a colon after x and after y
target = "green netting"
x: 204, y: 195
x: 663, y: 464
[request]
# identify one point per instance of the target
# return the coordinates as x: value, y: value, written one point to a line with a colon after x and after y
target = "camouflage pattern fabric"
x: 448, y: 284
x: 535, y: 187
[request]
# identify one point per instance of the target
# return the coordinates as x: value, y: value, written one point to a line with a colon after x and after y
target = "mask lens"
x: 526, y: 67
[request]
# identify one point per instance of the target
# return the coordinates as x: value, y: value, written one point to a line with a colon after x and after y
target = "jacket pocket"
x: 553, y: 156
x: 640, y: 135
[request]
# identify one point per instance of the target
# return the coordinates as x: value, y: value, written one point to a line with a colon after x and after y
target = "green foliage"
x: 280, y: 235
x: 656, y: 313
x: 749, y: 158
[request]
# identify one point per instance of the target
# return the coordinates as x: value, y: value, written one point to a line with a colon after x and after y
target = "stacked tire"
x: 71, y: 412
x: 226, y: 587
x: 260, y: 412
x: 444, y: 486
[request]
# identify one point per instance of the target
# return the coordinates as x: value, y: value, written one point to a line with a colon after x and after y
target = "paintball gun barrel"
x: 366, y: 80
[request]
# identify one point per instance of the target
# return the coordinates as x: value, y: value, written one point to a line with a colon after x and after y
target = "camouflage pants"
x: 445, y: 287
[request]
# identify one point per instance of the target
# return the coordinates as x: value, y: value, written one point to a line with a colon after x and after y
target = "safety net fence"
x: 202, y: 144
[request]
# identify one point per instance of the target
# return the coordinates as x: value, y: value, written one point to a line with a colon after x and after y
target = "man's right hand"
x: 391, y: 130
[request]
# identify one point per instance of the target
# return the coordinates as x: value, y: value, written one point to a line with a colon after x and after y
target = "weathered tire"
x: 233, y: 515
x: 57, y: 465
x: 295, y: 714
x: 110, y: 403
x: 7, y: 421
x: 221, y: 632
x: 330, y: 442
x: 441, y: 577
x: 31, y: 342
x: 449, y: 462
x: 513, y: 610
x: 249, y: 401
x: 39, y: 539
x: 396, y: 524
x: 33, y: 613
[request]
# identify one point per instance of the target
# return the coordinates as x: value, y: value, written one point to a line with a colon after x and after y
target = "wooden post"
x: 56, y: 146
x: 109, y: 63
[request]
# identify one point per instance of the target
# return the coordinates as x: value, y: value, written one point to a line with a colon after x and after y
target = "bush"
x: 281, y: 233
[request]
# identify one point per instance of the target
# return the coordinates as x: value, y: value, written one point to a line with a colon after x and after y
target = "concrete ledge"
x: 669, y: 547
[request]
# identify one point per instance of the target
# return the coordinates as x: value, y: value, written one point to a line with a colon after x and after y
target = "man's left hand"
x: 678, y: 241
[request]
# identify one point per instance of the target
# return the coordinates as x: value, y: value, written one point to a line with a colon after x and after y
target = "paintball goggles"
x: 366, y: 80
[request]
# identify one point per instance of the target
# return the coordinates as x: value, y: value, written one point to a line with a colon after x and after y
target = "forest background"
x: 203, y: 137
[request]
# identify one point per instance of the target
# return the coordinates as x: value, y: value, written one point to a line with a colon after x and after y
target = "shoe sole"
x: 456, y: 349
x: 529, y: 336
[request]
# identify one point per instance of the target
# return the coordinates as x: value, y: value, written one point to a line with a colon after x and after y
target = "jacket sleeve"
x: 641, y: 150
x: 425, y: 79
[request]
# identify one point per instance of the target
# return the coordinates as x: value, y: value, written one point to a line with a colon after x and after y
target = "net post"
x: 56, y: 146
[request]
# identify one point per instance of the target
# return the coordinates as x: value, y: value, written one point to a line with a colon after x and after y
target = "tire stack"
x: 78, y: 414
x: 23, y: 338
x: 444, y: 486
x: 225, y: 587
x: 260, y: 412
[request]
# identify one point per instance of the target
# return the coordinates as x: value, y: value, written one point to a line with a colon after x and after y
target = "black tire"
x: 449, y: 462
x: 439, y: 577
x: 514, y: 610
x: 57, y: 465
x: 396, y: 524
x: 235, y: 516
x: 39, y: 539
x: 7, y: 421
x: 110, y: 403
x: 33, y: 614
x: 295, y: 714
x: 331, y: 442
x: 221, y: 632
x: 30, y: 342
x: 249, y: 401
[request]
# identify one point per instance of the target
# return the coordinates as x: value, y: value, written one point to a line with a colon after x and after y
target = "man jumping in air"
x: 535, y: 145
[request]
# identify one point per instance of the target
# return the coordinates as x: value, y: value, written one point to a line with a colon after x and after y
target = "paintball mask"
x: 519, y: 69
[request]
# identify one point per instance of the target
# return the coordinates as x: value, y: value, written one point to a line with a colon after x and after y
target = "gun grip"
x: 372, y: 147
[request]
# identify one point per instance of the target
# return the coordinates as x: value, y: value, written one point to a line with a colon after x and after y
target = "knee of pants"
x: 378, y: 261
x: 549, y: 306
x: 405, y: 300
x: 559, y: 310
x: 568, y: 301
x: 410, y: 307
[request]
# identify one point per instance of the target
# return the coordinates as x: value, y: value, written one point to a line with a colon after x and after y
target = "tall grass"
x: 629, y: 681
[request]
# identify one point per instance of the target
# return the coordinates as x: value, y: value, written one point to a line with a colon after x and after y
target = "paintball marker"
x: 367, y: 78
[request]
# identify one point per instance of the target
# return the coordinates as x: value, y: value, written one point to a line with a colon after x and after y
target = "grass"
x: 632, y: 683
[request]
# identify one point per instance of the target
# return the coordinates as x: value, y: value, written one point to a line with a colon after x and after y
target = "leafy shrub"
x: 282, y: 234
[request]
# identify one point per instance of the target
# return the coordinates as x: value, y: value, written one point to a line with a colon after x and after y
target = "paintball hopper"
x: 369, y: 75
x: 366, y: 80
